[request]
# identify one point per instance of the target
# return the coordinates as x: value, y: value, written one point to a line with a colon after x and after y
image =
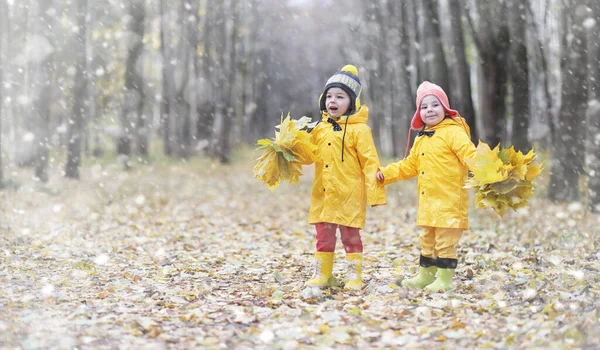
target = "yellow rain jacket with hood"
x: 439, y: 162
x: 345, y: 171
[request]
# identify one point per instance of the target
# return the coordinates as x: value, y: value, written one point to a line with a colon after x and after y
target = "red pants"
x: 326, y: 238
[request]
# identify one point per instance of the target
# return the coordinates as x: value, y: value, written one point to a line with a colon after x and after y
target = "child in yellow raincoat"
x: 345, y: 182
x: 438, y: 159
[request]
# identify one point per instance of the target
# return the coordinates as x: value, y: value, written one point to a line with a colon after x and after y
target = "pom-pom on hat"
x: 425, y: 89
x: 347, y: 80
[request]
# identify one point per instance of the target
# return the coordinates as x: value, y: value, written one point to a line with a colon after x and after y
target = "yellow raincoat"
x: 439, y: 161
x: 343, y: 189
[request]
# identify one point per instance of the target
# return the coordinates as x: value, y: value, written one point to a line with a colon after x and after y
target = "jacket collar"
x: 360, y: 117
x: 451, y: 121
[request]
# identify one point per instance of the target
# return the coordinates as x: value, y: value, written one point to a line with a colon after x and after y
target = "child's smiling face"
x: 337, y: 102
x: 432, y: 111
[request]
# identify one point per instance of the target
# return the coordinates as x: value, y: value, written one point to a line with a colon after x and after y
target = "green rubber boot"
x: 426, y: 274
x: 445, y: 272
x: 443, y: 282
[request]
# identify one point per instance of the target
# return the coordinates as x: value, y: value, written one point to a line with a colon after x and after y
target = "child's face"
x: 337, y: 102
x: 432, y: 111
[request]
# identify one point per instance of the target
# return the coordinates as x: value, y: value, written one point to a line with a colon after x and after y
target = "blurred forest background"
x: 82, y: 79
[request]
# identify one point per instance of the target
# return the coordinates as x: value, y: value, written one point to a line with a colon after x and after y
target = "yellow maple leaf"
x: 502, y: 177
x: 285, y: 154
x: 486, y: 166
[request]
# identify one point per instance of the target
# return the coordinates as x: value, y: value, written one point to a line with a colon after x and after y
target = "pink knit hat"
x: 425, y: 89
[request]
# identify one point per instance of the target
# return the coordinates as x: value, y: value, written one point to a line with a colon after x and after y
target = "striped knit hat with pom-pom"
x: 347, y: 80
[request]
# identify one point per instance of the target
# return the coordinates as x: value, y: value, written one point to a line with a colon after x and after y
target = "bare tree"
x: 460, y: 91
x: 435, y: 66
x: 92, y: 114
x: 224, y: 137
x: 23, y: 120
x: 206, y: 108
x: 183, y: 122
x: 593, y: 112
x: 194, y: 44
x: 568, y: 146
x: 133, y: 96
x: 167, y: 104
x: 519, y: 74
x: 220, y: 79
x: 42, y: 84
x: 373, y: 75
x: 76, y: 125
x: 492, y: 40
x: 401, y: 94
x: 3, y: 15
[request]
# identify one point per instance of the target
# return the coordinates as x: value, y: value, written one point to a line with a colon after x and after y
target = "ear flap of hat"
x: 322, y: 102
x: 416, y: 123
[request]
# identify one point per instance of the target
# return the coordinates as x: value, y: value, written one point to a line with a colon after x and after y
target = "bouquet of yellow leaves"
x: 284, y: 155
x: 503, y: 177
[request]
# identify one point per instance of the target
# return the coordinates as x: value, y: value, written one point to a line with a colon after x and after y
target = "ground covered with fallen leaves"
x: 201, y: 255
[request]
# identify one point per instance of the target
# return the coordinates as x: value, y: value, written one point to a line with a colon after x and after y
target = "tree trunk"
x: 219, y: 80
x: 374, y: 93
x: 593, y: 113
x: 92, y: 137
x: 206, y: 109
x: 568, y: 145
x: 3, y: 15
x: 194, y: 39
x: 492, y: 41
x: 75, y: 131
x: 435, y: 67
x: 182, y: 122
x: 402, y: 105
x: 519, y: 75
x: 460, y: 92
x: 166, y: 102
x: 133, y: 97
x: 229, y: 112
x: 42, y: 87
x: 23, y: 120
x: 382, y: 112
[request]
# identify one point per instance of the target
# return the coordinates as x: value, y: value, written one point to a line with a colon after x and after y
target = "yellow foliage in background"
x: 285, y: 154
x: 502, y: 177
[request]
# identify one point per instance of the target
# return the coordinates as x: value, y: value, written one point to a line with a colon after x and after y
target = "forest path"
x: 201, y: 255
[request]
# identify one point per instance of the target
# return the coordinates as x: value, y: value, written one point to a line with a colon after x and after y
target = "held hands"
x: 379, y: 176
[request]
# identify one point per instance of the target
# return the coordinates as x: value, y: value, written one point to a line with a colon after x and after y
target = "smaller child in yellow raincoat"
x: 345, y: 182
x: 438, y: 159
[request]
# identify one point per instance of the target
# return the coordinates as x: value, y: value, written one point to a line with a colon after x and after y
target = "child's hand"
x: 379, y: 175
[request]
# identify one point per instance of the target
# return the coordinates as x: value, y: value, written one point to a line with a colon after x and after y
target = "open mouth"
x: 333, y: 109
